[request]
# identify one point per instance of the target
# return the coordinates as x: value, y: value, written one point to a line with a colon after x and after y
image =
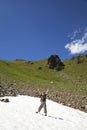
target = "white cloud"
x: 78, y: 45
x: 74, y: 34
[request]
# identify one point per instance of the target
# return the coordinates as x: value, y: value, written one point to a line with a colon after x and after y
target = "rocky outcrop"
x: 8, y: 90
x: 80, y: 58
x: 55, y: 62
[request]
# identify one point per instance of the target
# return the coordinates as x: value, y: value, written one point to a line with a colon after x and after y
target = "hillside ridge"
x: 67, y: 86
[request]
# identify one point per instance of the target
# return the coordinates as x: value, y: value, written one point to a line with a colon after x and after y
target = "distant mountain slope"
x: 73, y: 78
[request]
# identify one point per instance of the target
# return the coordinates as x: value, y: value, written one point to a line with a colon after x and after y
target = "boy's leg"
x: 45, y: 109
x: 40, y: 107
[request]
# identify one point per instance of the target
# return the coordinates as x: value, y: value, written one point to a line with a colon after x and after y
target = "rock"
x: 8, y: 90
x: 51, y: 82
x: 84, y: 107
x: 69, y: 105
x: 39, y: 68
x: 55, y: 62
x: 83, y: 97
x: 5, y: 100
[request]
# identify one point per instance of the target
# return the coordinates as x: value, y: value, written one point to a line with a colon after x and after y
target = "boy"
x: 43, y: 101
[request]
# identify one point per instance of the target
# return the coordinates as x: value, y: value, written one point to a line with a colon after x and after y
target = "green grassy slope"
x: 71, y: 79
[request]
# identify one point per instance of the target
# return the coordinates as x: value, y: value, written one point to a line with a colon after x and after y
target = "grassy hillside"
x: 73, y: 78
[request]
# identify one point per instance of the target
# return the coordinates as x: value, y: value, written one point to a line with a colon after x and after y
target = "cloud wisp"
x: 78, y: 46
x: 74, y: 34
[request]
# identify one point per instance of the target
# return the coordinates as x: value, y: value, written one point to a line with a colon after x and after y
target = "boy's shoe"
x: 36, y: 111
x: 45, y: 114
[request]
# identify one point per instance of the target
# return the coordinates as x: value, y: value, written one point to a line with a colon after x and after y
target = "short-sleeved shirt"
x: 43, y: 98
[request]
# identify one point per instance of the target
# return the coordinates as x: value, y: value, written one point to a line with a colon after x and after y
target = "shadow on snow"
x: 54, y: 117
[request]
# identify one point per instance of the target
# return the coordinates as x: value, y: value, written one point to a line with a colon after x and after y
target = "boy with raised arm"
x: 43, y: 101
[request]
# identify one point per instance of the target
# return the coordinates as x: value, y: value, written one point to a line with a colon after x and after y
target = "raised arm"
x: 39, y: 91
x: 47, y: 91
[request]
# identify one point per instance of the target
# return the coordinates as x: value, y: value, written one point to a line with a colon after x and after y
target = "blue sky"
x: 36, y: 29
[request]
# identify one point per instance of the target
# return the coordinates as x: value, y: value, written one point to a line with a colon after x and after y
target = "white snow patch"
x: 19, y: 114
